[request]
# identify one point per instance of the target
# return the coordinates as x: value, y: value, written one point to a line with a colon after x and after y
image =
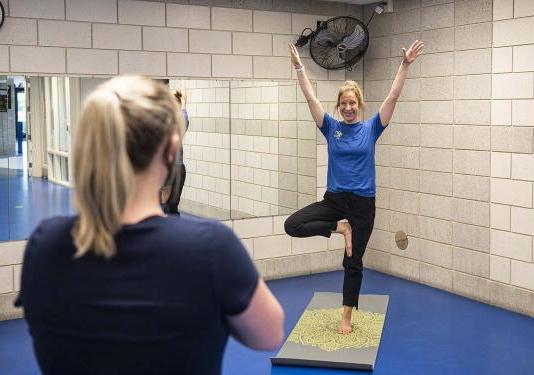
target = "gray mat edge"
x: 284, y: 361
x: 326, y: 364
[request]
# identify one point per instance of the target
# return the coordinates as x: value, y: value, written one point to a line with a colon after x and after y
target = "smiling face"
x: 348, y: 106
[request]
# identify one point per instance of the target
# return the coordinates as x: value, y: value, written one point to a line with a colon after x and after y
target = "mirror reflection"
x: 250, y: 149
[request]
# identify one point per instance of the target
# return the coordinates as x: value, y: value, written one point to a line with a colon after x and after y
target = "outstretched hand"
x: 295, y: 58
x: 413, y: 52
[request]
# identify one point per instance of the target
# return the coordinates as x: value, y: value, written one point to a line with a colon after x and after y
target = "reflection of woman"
x: 122, y: 288
x: 171, y: 193
x: 351, y: 174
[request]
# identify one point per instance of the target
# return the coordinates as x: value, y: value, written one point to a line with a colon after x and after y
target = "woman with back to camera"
x: 351, y: 186
x: 121, y: 288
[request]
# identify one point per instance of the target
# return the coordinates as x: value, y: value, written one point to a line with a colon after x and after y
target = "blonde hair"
x: 179, y: 96
x: 355, y: 88
x: 122, y: 125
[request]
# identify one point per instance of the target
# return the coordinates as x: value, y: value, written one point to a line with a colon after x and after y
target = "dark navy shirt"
x: 351, y: 155
x: 157, y: 306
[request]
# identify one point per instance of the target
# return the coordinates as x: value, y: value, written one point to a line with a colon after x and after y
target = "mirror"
x: 206, y: 148
x: 273, y: 149
x: 250, y: 149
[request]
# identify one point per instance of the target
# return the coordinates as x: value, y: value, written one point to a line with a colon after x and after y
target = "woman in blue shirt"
x: 351, y: 186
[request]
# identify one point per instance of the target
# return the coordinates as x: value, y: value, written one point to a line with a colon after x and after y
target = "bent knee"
x: 290, y: 226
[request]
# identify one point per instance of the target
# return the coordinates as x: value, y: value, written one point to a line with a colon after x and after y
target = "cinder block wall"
x: 254, y: 148
x: 456, y: 166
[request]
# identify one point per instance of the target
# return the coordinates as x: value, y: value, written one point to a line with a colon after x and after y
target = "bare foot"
x: 345, y: 229
x: 345, y: 327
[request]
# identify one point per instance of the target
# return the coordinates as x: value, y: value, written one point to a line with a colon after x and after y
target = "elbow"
x: 278, y: 338
x: 393, y: 97
x: 276, y: 335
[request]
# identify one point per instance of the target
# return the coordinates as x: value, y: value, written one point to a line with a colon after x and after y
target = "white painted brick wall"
x: 6, y: 279
x: 473, y: 36
x: 523, y: 112
x: 503, y: 9
x: 501, y: 192
x: 472, y: 112
x: 188, y: 16
x: 54, y: 9
x: 502, y: 60
x: 204, y: 41
x: 512, y: 32
x: 231, y: 19
x: 271, y: 67
x: 272, y: 22
x: 92, y: 11
x: 37, y: 59
x: 522, y: 274
x: 141, y: 12
x: 500, y: 269
x: 135, y: 62
x: 116, y: 36
x: 252, y: 44
x: 437, y: 17
x: 501, y: 164
x: 165, y: 39
x: 523, y: 8
x: 511, y: 245
x: 500, y: 217
x: 64, y: 34
x: 523, y: 220
x: 501, y: 112
x: 272, y: 246
x: 523, y: 167
x: 86, y: 61
x: 4, y: 58
x: 19, y: 32
x: 512, y: 85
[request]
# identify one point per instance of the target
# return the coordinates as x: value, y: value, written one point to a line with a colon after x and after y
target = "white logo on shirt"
x: 338, y: 134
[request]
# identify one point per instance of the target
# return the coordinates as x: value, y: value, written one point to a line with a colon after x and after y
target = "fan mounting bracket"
x: 388, y: 6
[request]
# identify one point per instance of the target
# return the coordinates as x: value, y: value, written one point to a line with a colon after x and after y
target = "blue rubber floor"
x: 26, y: 201
x: 427, y: 331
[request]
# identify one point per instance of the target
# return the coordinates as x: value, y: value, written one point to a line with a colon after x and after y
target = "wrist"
x: 299, y: 68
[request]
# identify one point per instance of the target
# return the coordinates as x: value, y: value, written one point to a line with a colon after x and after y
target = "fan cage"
x: 326, y: 54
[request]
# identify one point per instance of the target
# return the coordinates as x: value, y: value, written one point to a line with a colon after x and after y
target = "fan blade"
x: 355, y: 39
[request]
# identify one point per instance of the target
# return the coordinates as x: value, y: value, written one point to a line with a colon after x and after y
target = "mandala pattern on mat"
x: 319, y: 328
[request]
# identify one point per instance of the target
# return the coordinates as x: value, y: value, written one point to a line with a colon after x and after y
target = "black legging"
x: 320, y: 219
x: 171, y: 207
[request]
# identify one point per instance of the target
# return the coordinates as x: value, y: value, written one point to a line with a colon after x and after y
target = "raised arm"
x: 316, y: 108
x: 388, y: 106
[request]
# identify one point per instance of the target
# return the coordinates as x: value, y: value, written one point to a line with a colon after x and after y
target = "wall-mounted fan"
x: 2, y: 14
x: 337, y: 43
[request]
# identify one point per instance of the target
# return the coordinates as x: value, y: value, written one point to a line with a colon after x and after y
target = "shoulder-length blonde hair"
x: 122, y: 125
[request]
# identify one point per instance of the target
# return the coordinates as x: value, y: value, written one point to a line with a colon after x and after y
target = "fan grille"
x: 339, y: 43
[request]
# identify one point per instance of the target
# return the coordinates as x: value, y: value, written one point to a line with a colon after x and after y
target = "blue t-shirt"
x: 157, y: 306
x: 351, y: 154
